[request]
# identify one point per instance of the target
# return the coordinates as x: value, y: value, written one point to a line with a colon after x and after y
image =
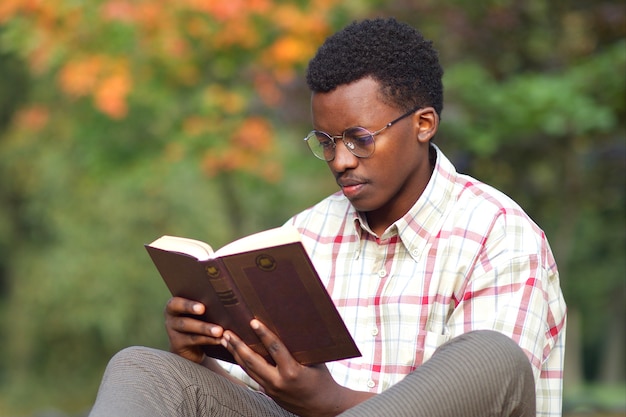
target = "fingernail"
x: 197, y: 308
x: 255, y: 324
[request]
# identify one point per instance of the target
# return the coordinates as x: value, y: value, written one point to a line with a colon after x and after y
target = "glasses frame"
x: 350, y: 144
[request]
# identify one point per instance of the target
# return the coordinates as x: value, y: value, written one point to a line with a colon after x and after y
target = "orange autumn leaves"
x: 249, y: 149
x: 111, y: 52
x: 168, y: 32
x: 106, y: 79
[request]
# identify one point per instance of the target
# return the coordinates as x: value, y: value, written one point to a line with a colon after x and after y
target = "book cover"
x: 276, y: 284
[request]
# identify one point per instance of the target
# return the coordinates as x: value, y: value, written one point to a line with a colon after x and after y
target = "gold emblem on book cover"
x: 265, y: 262
x: 212, y: 271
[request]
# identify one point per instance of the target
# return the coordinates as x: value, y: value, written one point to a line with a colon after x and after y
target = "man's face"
x: 386, y: 184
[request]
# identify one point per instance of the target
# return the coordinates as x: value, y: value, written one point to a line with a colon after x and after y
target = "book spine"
x: 223, y: 286
x: 238, y: 314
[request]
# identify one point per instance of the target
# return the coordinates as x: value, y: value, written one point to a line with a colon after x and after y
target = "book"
x: 268, y: 276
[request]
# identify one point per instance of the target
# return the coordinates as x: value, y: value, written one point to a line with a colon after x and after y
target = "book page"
x: 267, y: 238
x: 196, y: 248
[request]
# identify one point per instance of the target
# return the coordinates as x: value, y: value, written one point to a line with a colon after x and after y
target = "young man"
x: 449, y: 289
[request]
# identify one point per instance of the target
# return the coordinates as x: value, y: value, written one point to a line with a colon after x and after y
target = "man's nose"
x: 344, y: 158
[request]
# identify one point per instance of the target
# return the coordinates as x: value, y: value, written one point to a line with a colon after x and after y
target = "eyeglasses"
x: 357, y: 140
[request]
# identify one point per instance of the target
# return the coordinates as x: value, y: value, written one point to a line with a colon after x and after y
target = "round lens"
x: 321, y: 145
x: 360, y: 141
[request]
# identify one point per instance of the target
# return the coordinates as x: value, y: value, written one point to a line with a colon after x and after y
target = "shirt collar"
x: 424, y: 219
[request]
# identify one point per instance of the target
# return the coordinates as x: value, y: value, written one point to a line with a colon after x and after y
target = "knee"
x: 498, y: 365
x: 500, y: 354
x: 133, y: 357
x: 495, y: 342
x: 493, y: 349
x: 131, y: 352
x: 507, y: 347
x: 508, y: 360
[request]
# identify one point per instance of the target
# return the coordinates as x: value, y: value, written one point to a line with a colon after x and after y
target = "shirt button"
x: 382, y: 273
x: 371, y: 384
x: 374, y: 331
x: 415, y: 252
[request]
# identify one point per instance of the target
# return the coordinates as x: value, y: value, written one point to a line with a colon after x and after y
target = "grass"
x: 595, y: 400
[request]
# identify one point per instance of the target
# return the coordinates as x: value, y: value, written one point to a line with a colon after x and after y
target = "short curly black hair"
x: 393, y: 53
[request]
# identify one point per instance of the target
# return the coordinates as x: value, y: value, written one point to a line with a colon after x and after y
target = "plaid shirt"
x: 465, y: 257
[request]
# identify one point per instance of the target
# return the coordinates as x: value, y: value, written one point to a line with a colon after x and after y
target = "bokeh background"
x: 122, y: 120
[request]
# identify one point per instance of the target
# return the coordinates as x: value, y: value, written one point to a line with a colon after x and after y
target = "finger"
x: 186, y: 341
x: 252, y: 363
x: 179, y: 305
x: 190, y: 325
x: 276, y: 348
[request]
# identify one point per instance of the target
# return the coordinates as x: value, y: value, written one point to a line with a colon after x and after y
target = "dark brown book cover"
x: 277, y: 285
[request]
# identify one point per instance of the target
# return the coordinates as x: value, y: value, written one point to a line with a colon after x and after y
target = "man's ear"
x: 427, y: 121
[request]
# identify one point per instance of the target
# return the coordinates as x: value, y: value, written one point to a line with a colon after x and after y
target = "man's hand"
x: 188, y: 334
x: 303, y: 390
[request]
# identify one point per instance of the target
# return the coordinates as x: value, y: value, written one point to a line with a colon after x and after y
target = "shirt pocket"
x: 420, y: 347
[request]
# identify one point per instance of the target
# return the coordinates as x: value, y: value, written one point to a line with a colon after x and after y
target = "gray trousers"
x: 478, y: 374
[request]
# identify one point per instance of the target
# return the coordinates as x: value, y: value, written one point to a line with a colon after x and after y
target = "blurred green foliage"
x: 115, y: 130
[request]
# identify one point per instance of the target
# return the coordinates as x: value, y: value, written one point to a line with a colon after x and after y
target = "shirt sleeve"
x: 513, y: 288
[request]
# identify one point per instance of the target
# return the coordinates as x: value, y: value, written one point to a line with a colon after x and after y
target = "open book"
x: 268, y: 276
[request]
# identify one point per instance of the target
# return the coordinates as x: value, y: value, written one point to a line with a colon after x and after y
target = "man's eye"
x: 361, y: 140
x: 326, y: 143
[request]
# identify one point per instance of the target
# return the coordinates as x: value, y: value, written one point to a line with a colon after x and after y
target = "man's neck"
x: 380, y: 220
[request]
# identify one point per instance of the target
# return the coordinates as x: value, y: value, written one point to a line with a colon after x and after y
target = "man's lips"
x: 351, y: 186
